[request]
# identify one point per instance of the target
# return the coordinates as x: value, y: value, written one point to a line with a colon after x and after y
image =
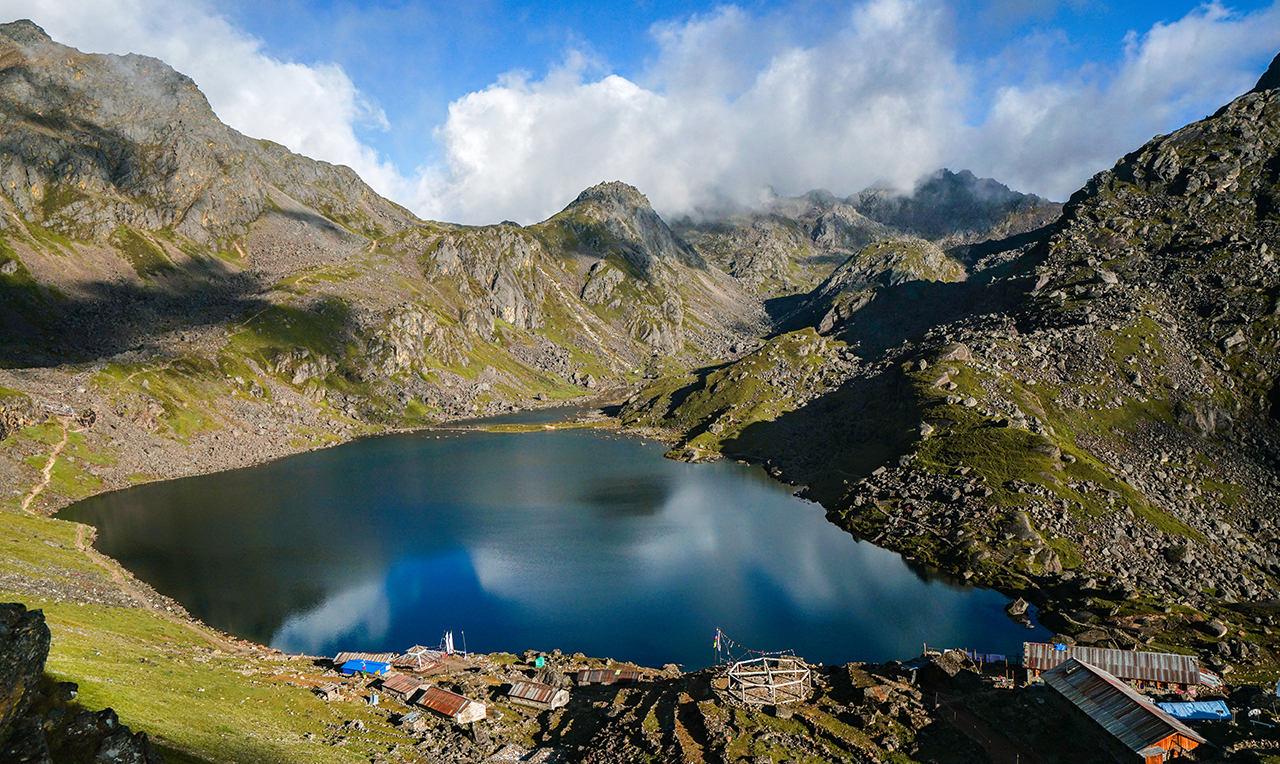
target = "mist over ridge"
x: 727, y: 104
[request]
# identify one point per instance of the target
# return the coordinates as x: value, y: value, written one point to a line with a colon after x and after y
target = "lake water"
x: 578, y: 540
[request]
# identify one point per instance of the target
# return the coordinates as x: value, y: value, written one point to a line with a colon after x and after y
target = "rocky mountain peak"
x: 90, y: 142
x: 24, y: 32
x: 957, y: 208
x: 1270, y: 79
x: 617, y: 216
x: 822, y: 198
x: 621, y: 195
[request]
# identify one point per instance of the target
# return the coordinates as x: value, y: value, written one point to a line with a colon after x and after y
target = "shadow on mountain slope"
x: 109, y: 317
x: 837, y: 438
x: 904, y: 312
x: 969, y: 254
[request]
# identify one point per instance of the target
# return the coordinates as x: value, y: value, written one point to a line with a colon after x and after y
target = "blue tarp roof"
x: 1200, y: 710
x: 365, y: 667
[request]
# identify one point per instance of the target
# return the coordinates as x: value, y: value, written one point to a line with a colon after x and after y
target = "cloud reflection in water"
x: 567, y: 540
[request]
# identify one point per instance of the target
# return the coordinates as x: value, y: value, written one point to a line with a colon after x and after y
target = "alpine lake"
x: 583, y: 540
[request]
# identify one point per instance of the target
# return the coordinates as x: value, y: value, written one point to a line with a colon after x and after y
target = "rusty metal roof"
x: 1126, y: 664
x: 386, y: 658
x: 1129, y: 717
x: 534, y: 691
x: 401, y: 683
x: 606, y: 676
x: 597, y: 676
x: 442, y: 701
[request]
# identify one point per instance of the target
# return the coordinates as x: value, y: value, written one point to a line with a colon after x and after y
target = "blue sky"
x: 487, y: 110
x: 414, y: 58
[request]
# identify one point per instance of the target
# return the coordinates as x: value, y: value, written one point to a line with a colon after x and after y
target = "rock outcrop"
x: 24, y: 646
x: 42, y: 723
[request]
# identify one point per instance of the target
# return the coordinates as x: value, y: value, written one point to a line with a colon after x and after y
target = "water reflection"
x: 572, y: 539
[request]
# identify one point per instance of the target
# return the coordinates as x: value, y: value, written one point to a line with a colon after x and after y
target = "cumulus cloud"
x: 730, y: 111
x: 875, y: 102
x: 1050, y: 136
x: 314, y: 110
x: 730, y: 107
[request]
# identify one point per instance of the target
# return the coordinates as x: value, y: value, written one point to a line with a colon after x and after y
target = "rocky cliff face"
x: 24, y: 646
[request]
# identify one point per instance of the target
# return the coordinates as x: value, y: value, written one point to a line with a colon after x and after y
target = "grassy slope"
x: 200, y: 702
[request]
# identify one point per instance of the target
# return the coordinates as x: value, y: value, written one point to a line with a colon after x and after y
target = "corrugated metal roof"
x: 442, y: 701
x: 386, y: 658
x: 1199, y: 710
x: 597, y: 676
x: 1210, y: 679
x: 1129, y: 717
x: 534, y: 691
x: 401, y: 683
x: 1126, y: 664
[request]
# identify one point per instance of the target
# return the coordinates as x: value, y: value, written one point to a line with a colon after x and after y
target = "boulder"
x: 955, y: 352
x: 24, y: 646
x: 1019, y: 527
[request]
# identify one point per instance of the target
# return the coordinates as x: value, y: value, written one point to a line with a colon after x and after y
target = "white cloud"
x: 314, y: 110
x: 1050, y: 136
x: 877, y: 102
x: 729, y: 106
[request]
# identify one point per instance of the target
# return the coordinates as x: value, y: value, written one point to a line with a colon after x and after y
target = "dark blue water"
x: 574, y: 540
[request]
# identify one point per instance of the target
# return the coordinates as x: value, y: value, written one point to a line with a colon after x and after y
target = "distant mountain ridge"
x: 792, y: 244
x: 951, y: 209
x: 94, y: 142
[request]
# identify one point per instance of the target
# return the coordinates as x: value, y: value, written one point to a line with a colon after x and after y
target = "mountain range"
x: 1074, y: 403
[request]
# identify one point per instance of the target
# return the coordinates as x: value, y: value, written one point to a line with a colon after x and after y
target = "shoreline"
x: 250, y: 449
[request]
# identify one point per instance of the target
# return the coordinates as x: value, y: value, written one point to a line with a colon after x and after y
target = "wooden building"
x: 607, y: 676
x: 1159, y: 669
x: 329, y: 691
x: 402, y: 684
x: 537, y: 695
x: 451, y: 705
x: 1147, y: 734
